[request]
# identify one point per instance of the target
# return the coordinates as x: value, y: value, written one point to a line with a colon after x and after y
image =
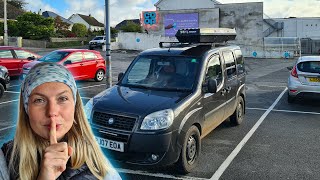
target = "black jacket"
x: 83, y: 173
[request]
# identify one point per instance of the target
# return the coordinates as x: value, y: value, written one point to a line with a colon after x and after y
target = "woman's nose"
x: 52, y: 109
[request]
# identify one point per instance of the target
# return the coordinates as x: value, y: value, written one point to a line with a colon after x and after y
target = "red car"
x: 13, y: 58
x: 82, y: 63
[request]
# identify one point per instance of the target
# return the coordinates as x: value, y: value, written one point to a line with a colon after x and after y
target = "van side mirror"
x: 120, y: 76
x: 212, y: 85
x: 31, y: 58
x: 67, y: 62
x: 290, y: 68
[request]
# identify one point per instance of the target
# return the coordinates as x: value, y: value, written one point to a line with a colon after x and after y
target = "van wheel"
x: 237, y: 117
x: 290, y: 99
x: 99, y: 75
x: 190, y: 151
x: 1, y: 90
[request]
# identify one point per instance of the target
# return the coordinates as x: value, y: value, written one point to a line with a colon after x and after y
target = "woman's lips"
x: 57, y: 126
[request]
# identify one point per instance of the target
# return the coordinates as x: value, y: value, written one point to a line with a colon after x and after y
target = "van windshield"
x: 98, y: 38
x: 162, y: 72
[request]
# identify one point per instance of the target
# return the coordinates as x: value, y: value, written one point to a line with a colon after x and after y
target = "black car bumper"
x: 141, y: 149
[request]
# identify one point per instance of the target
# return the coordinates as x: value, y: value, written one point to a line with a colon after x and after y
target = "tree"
x: 131, y: 27
x: 59, y: 24
x: 34, y: 26
x: 79, y: 29
x: 12, y: 28
x: 20, y: 4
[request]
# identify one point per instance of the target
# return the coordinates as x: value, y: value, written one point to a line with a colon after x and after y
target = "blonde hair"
x: 28, y: 146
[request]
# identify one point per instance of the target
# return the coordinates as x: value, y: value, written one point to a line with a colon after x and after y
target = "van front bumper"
x: 144, y: 148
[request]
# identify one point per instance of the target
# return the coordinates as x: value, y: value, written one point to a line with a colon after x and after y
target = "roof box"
x: 206, y: 35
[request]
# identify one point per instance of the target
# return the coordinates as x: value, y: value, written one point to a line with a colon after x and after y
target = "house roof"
x: 54, y: 15
x: 91, y: 20
x: 125, y: 22
x: 214, y: 1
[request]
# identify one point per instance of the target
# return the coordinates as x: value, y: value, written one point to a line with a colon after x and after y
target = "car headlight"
x: 158, y: 120
x: 88, y: 108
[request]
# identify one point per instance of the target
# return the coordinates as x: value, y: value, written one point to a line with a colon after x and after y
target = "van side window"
x: 214, y: 69
x: 139, y: 71
x: 230, y: 64
x: 240, y: 62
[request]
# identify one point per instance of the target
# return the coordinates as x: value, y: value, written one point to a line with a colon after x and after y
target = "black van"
x: 169, y: 98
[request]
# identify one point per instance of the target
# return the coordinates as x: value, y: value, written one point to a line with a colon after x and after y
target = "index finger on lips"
x: 53, y: 132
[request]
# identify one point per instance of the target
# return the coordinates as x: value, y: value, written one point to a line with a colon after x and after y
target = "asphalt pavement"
x: 277, y: 140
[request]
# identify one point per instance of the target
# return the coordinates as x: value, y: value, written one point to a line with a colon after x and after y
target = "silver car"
x: 304, y: 79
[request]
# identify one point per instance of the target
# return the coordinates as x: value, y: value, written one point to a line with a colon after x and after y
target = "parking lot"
x: 277, y: 140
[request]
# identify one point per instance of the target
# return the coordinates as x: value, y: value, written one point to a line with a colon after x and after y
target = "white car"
x: 98, y: 41
x: 304, y: 79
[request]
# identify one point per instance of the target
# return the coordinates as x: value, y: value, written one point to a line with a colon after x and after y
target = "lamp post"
x: 108, y: 48
x: 5, y: 35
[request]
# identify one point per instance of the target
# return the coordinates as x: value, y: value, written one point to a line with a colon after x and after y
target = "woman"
x: 53, y: 138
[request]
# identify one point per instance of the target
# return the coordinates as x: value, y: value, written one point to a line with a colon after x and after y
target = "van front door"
x: 213, y: 103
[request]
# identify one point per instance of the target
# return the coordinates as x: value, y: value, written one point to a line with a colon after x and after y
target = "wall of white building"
x: 77, y: 19
x: 184, y: 4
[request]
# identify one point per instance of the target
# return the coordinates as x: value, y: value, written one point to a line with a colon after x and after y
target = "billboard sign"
x: 174, y: 22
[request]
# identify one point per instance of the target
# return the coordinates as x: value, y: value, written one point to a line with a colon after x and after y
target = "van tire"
x: 237, y: 117
x: 99, y: 75
x: 190, y: 151
x: 1, y: 90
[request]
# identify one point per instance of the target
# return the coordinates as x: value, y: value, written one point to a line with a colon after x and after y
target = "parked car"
x: 304, y: 78
x: 13, y: 58
x: 168, y: 99
x: 82, y: 63
x: 98, y: 41
x: 4, y: 80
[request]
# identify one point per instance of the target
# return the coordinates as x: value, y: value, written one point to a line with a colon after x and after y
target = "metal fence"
x: 310, y: 46
x: 290, y: 46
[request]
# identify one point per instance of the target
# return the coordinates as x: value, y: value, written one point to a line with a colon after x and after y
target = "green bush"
x: 79, y: 29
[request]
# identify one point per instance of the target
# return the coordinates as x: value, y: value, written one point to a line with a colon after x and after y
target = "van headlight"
x: 158, y: 120
x: 88, y: 108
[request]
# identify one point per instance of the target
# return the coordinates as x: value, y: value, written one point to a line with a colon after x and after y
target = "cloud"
x: 119, y: 9
x: 286, y: 8
x: 36, y: 5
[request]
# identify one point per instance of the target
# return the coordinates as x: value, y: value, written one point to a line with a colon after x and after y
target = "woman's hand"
x: 55, y: 156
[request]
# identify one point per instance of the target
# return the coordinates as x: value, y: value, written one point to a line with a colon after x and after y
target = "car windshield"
x: 309, y: 66
x: 54, y: 56
x: 98, y: 38
x: 162, y: 73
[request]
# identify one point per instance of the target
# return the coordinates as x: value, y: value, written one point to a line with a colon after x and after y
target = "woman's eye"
x: 38, y: 100
x: 62, y: 99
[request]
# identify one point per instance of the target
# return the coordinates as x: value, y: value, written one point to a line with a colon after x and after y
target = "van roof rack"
x: 202, y: 36
x: 206, y: 35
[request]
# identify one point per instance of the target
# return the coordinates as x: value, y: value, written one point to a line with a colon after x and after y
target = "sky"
x: 130, y: 9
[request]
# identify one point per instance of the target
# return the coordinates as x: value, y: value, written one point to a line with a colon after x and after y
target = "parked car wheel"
x: 237, y: 117
x: 190, y: 150
x: 90, y: 48
x: 290, y: 99
x: 1, y: 90
x: 99, y: 75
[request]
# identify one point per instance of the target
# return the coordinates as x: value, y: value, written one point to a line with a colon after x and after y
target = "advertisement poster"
x: 174, y: 22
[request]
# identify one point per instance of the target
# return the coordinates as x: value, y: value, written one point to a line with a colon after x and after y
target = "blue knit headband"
x: 43, y: 73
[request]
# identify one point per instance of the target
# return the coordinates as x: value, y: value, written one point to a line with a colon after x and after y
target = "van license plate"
x: 314, y: 79
x: 109, y: 144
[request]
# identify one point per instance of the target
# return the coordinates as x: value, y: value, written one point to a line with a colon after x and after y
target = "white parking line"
x: 128, y: 171
x: 6, y: 102
x: 7, y: 128
x: 235, y: 152
x: 86, y: 87
x: 14, y: 92
x: 288, y: 111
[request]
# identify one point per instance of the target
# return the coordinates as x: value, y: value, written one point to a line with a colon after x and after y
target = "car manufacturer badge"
x: 111, y: 121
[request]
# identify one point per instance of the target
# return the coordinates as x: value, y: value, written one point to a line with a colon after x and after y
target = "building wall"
x: 77, y: 19
x: 184, y: 4
x: 298, y: 27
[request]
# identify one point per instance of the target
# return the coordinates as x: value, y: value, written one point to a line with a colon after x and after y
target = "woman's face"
x: 49, y: 102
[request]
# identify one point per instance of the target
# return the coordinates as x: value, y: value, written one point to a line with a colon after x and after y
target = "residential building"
x: 54, y: 15
x: 90, y: 22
